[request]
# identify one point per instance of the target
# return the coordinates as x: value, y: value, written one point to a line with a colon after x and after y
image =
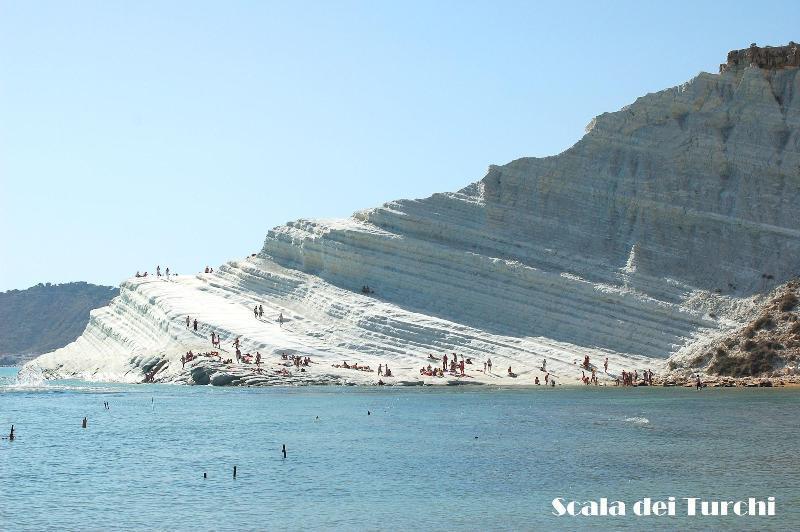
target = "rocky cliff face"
x: 769, y: 342
x: 690, y: 189
x: 651, y: 235
x: 696, y: 183
x: 768, y: 57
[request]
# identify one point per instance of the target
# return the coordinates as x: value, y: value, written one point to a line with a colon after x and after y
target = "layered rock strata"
x: 651, y: 236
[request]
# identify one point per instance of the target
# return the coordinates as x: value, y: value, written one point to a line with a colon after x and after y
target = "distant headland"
x: 46, y: 317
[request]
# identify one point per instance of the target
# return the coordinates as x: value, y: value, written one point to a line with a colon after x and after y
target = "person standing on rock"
x: 605, y: 365
x: 544, y: 364
x: 195, y: 324
x: 167, y: 272
x: 188, y: 321
x: 380, y: 369
x: 484, y: 367
x: 280, y: 319
x: 489, y: 365
x: 158, y: 271
x: 255, y: 312
x: 699, y: 383
x: 260, y: 311
x: 444, y: 362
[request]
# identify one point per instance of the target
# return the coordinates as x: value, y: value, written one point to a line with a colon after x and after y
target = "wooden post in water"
x: 234, y: 471
x: 284, y: 450
x: 84, y: 423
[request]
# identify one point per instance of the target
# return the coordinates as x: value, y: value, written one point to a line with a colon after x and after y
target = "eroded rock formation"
x: 767, y: 57
x: 769, y: 341
x: 651, y: 236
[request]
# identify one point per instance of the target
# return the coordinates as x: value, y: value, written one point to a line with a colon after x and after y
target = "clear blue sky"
x: 177, y: 133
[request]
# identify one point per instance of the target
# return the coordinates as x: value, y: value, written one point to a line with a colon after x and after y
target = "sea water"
x: 455, y: 458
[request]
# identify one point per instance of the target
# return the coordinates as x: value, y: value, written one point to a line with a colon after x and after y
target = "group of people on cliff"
x: 355, y: 366
x: 455, y: 367
x: 297, y: 360
x: 631, y: 378
x: 454, y: 364
x: 158, y: 273
x: 189, y: 356
x: 191, y: 324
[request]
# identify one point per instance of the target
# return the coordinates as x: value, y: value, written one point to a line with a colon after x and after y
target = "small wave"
x: 32, y: 380
x: 28, y: 378
x: 637, y: 420
x: 56, y: 388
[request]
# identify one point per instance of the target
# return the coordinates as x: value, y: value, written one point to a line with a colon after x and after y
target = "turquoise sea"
x: 458, y: 458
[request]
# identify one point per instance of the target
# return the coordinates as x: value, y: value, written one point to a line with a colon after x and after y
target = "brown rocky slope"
x: 766, y: 347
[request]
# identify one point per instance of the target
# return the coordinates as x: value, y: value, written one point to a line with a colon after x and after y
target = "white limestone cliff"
x: 652, y: 235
